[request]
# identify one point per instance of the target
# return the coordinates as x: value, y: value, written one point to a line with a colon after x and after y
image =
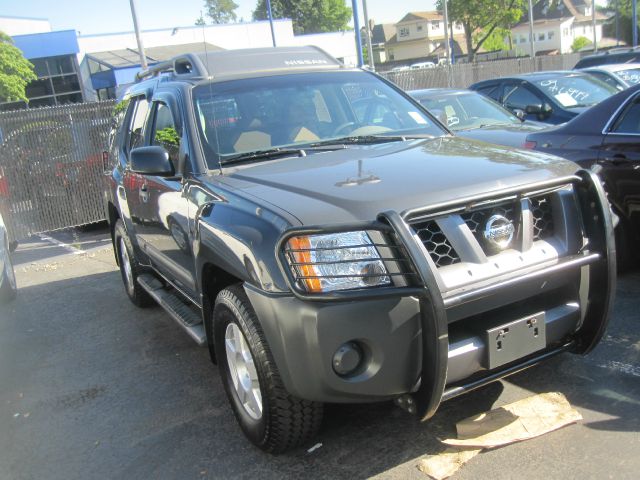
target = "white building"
x: 418, y: 34
x: 110, y: 61
x: 557, y: 23
x: 23, y: 25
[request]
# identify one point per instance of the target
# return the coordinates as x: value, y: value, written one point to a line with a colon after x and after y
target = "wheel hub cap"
x: 243, y: 371
x: 126, y: 266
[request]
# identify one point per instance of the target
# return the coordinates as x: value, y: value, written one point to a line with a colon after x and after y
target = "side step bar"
x: 182, y: 313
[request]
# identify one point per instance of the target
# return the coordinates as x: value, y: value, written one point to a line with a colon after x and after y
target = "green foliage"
x: 219, y: 11
x: 624, y: 21
x: 495, y: 41
x: 485, y: 16
x: 200, y: 21
x: 16, y: 72
x: 167, y: 136
x: 308, y: 16
x: 579, y: 43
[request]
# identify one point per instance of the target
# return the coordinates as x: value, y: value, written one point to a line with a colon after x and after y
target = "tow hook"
x: 406, y: 403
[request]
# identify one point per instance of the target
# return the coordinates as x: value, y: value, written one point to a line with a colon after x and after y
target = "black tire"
x: 135, y: 292
x: 626, y: 256
x: 8, y: 289
x: 286, y: 421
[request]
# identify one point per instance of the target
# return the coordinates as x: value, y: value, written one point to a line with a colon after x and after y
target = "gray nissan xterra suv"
x: 330, y: 241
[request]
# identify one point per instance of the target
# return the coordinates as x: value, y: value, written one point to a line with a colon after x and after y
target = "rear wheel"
x: 269, y: 416
x: 130, y: 269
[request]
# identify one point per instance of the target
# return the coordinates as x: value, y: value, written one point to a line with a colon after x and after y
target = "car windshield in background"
x: 257, y: 114
x: 631, y: 76
x: 573, y: 91
x: 467, y: 111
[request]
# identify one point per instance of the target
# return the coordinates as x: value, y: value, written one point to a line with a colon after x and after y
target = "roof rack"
x: 188, y: 65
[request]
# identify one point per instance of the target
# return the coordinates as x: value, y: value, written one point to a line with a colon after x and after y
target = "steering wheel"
x: 342, y: 127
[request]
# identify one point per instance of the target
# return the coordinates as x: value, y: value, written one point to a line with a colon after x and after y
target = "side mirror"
x: 153, y: 160
x: 519, y: 113
x: 543, y: 110
x: 533, y: 109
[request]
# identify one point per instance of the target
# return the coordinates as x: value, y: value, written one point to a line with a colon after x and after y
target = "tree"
x: 308, y: 16
x: 220, y: 11
x: 624, y: 20
x: 484, y: 16
x: 579, y: 43
x: 495, y: 41
x: 200, y: 21
x: 16, y: 72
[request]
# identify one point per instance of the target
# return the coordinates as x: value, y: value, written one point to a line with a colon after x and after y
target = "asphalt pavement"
x: 93, y: 387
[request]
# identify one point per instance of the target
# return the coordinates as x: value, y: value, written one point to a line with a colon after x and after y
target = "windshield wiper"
x: 263, y: 154
x: 362, y: 140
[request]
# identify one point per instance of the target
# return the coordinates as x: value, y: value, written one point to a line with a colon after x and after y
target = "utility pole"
x: 356, y: 26
x: 368, y: 34
x: 270, y: 16
x: 531, y: 38
x: 634, y: 21
x: 445, y: 13
x: 593, y: 25
x: 143, y: 57
x: 617, y: 24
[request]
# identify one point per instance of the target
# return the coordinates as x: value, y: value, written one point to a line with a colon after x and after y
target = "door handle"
x: 144, y: 193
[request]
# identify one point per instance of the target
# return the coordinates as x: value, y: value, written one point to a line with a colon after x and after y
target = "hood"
x: 511, y: 135
x: 357, y: 183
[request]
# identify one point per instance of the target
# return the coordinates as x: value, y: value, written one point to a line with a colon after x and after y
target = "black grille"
x: 542, y: 217
x: 441, y: 251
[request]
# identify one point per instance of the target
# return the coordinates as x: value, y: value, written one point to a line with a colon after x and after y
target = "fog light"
x: 347, y: 359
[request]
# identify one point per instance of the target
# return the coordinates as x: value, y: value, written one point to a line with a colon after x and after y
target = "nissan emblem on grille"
x: 498, y: 232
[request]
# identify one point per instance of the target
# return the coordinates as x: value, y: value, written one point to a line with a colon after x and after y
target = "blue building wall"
x: 48, y: 44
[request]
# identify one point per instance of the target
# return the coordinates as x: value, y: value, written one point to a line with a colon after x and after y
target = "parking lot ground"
x: 93, y: 387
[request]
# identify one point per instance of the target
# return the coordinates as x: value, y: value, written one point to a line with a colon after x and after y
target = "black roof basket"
x: 188, y: 65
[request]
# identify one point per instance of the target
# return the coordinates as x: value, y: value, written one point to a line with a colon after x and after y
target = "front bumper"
x: 425, y: 345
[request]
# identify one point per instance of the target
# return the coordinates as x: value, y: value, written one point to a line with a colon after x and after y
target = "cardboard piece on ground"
x: 521, y: 420
x: 447, y: 463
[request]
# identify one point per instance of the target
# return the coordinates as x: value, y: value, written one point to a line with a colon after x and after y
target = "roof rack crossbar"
x: 183, y: 65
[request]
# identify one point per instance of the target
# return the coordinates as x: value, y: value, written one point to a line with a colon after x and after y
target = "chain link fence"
x: 51, y: 172
x: 464, y: 74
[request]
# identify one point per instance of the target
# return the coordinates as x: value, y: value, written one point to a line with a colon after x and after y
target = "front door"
x: 620, y: 157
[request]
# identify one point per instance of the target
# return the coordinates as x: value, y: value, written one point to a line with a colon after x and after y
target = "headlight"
x: 336, y: 261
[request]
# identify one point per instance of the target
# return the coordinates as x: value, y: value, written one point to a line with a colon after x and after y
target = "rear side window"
x: 520, y: 97
x: 491, y: 91
x: 629, y: 121
x: 138, y: 122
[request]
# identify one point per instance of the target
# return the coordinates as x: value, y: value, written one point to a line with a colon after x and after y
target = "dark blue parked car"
x: 550, y: 97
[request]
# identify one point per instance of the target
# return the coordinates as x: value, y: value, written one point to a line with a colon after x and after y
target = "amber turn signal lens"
x: 301, y: 250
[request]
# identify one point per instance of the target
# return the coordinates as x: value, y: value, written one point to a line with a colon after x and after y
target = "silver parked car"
x: 618, y: 75
x: 7, y: 278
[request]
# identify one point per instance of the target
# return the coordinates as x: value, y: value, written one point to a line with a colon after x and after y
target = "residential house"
x: 556, y: 24
x: 418, y: 35
x: 380, y: 35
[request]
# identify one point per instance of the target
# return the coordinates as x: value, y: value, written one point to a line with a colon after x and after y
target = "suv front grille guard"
x: 598, y: 255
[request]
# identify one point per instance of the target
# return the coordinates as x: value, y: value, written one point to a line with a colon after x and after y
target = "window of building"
x: 541, y: 36
x: 435, y: 24
x: 565, y: 31
x: 550, y: 35
x: 420, y: 27
x: 404, y: 32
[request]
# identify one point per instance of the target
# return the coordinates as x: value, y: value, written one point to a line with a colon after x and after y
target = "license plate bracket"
x: 517, y: 339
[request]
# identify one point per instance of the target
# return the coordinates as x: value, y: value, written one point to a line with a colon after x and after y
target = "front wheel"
x: 8, y: 286
x: 129, y: 267
x: 269, y: 416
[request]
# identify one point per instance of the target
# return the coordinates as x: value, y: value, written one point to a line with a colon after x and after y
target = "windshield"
x: 631, y: 76
x: 467, y: 111
x: 251, y: 115
x: 573, y: 91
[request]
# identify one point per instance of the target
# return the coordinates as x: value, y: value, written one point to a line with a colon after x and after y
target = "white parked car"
x: 618, y: 75
x: 419, y: 65
x: 7, y: 276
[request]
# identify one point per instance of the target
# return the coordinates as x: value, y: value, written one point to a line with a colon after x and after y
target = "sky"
x: 107, y: 16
